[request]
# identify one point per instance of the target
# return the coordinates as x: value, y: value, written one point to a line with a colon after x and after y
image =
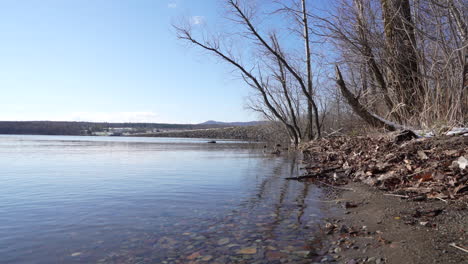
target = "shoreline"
x: 395, y: 202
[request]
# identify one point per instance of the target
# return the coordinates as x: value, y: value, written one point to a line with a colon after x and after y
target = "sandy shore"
x: 371, y: 227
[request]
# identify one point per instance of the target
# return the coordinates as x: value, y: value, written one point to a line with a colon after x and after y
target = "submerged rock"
x: 248, y: 251
x: 223, y: 241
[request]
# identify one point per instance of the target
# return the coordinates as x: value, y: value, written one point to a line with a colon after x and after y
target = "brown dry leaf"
x: 424, y: 177
x: 436, y: 196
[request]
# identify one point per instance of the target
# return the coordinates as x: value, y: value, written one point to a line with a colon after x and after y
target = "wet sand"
x: 371, y: 227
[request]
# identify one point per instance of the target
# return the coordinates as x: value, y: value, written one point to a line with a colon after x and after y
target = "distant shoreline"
x: 118, y: 129
x: 251, y: 133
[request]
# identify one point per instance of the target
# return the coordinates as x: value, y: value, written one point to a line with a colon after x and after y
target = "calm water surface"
x: 150, y: 200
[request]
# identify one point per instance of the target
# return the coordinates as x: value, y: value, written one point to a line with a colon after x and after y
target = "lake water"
x: 70, y: 199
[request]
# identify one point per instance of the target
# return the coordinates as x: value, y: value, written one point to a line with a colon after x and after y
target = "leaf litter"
x: 422, y: 168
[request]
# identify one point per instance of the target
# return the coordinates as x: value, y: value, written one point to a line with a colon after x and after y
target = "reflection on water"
x: 126, y: 200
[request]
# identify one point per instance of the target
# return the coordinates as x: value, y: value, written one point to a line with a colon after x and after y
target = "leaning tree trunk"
x: 359, y: 109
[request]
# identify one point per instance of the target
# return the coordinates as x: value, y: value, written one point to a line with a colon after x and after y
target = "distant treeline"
x: 84, y: 128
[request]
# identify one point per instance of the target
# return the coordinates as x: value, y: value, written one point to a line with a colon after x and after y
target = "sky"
x: 112, y: 61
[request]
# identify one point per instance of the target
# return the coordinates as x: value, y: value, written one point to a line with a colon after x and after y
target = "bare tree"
x: 415, y: 55
x: 281, y: 108
x: 405, y: 63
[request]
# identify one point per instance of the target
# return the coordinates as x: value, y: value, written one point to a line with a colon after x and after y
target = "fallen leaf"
x: 386, y: 176
x: 436, y: 196
x: 424, y: 223
x: 424, y: 177
x: 422, y: 155
x: 462, y: 162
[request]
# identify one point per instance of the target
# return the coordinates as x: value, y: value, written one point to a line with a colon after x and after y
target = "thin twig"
x: 442, y: 199
x: 460, y: 248
x: 396, y: 195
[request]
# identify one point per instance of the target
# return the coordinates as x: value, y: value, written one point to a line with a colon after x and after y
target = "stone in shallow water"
x: 193, y: 256
x: 275, y: 255
x: 207, y: 258
x: 223, y: 241
x: 166, y: 242
x: 302, y: 253
x: 250, y: 250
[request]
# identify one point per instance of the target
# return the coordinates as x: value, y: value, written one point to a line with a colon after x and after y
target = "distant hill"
x: 251, y: 123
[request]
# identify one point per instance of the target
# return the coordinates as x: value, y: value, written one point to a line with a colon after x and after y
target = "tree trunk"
x: 462, y: 29
x: 367, y: 53
x: 311, y: 108
x: 403, y: 75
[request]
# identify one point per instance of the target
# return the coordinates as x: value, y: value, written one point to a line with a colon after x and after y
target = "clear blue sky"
x: 111, y: 60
